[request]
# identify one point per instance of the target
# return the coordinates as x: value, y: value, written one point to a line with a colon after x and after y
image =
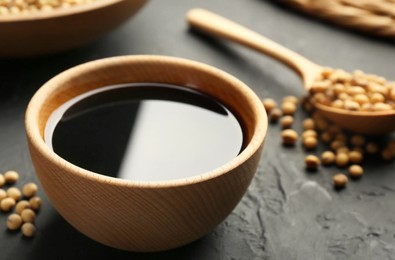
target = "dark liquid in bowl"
x: 145, y: 132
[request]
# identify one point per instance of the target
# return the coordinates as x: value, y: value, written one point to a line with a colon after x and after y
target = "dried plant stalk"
x: 373, y: 17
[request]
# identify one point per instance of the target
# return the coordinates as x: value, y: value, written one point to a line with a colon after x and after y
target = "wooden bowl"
x: 145, y: 216
x: 61, y: 29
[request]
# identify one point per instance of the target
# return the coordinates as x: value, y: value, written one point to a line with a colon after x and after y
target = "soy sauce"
x: 145, y: 132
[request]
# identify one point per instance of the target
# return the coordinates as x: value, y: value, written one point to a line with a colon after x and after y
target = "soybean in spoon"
x: 380, y: 120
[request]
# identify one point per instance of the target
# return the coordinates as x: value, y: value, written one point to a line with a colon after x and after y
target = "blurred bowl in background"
x: 45, y: 32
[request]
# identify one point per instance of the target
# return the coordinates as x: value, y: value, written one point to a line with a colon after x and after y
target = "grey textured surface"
x: 286, y: 213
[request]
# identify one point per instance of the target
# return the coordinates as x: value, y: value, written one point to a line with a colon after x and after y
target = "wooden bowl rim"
x: 34, y: 136
x: 56, y: 13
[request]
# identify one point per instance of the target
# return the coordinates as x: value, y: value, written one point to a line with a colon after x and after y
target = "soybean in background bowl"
x: 46, y: 32
x: 136, y: 215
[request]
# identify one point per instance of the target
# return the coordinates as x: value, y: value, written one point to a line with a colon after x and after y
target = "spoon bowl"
x: 371, y: 123
x: 377, y: 123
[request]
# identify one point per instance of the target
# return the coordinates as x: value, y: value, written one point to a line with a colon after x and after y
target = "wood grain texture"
x: 58, y: 30
x: 145, y: 216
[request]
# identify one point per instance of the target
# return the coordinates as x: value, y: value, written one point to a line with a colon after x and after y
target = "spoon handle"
x: 214, y: 24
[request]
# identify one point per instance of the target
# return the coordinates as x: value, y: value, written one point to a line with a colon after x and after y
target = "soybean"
x: 28, y: 229
x: 28, y: 215
x: 336, y: 144
x: 289, y: 137
x: 275, y: 114
x: 372, y: 148
x: 14, y: 193
x: 287, y: 122
x: 288, y: 108
x: 308, y: 124
x: 358, y: 140
x: 7, y: 204
x: 310, y: 143
x: 21, y: 205
x: 269, y: 104
x: 340, y: 180
x: 355, y: 156
x: 291, y: 99
x: 35, y: 202
x: 387, y: 154
x: 29, y: 190
x: 11, y: 177
x: 14, y: 221
x: 326, y: 137
x: 312, y: 162
x: 309, y: 133
x: 355, y: 171
x: 342, y: 160
x: 328, y: 158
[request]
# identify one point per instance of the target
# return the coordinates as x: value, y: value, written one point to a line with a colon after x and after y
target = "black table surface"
x: 286, y: 212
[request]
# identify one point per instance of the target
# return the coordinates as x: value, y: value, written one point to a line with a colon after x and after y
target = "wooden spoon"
x: 378, y: 122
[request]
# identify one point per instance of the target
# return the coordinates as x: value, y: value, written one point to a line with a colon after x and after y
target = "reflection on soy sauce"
x: 148, y: 133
